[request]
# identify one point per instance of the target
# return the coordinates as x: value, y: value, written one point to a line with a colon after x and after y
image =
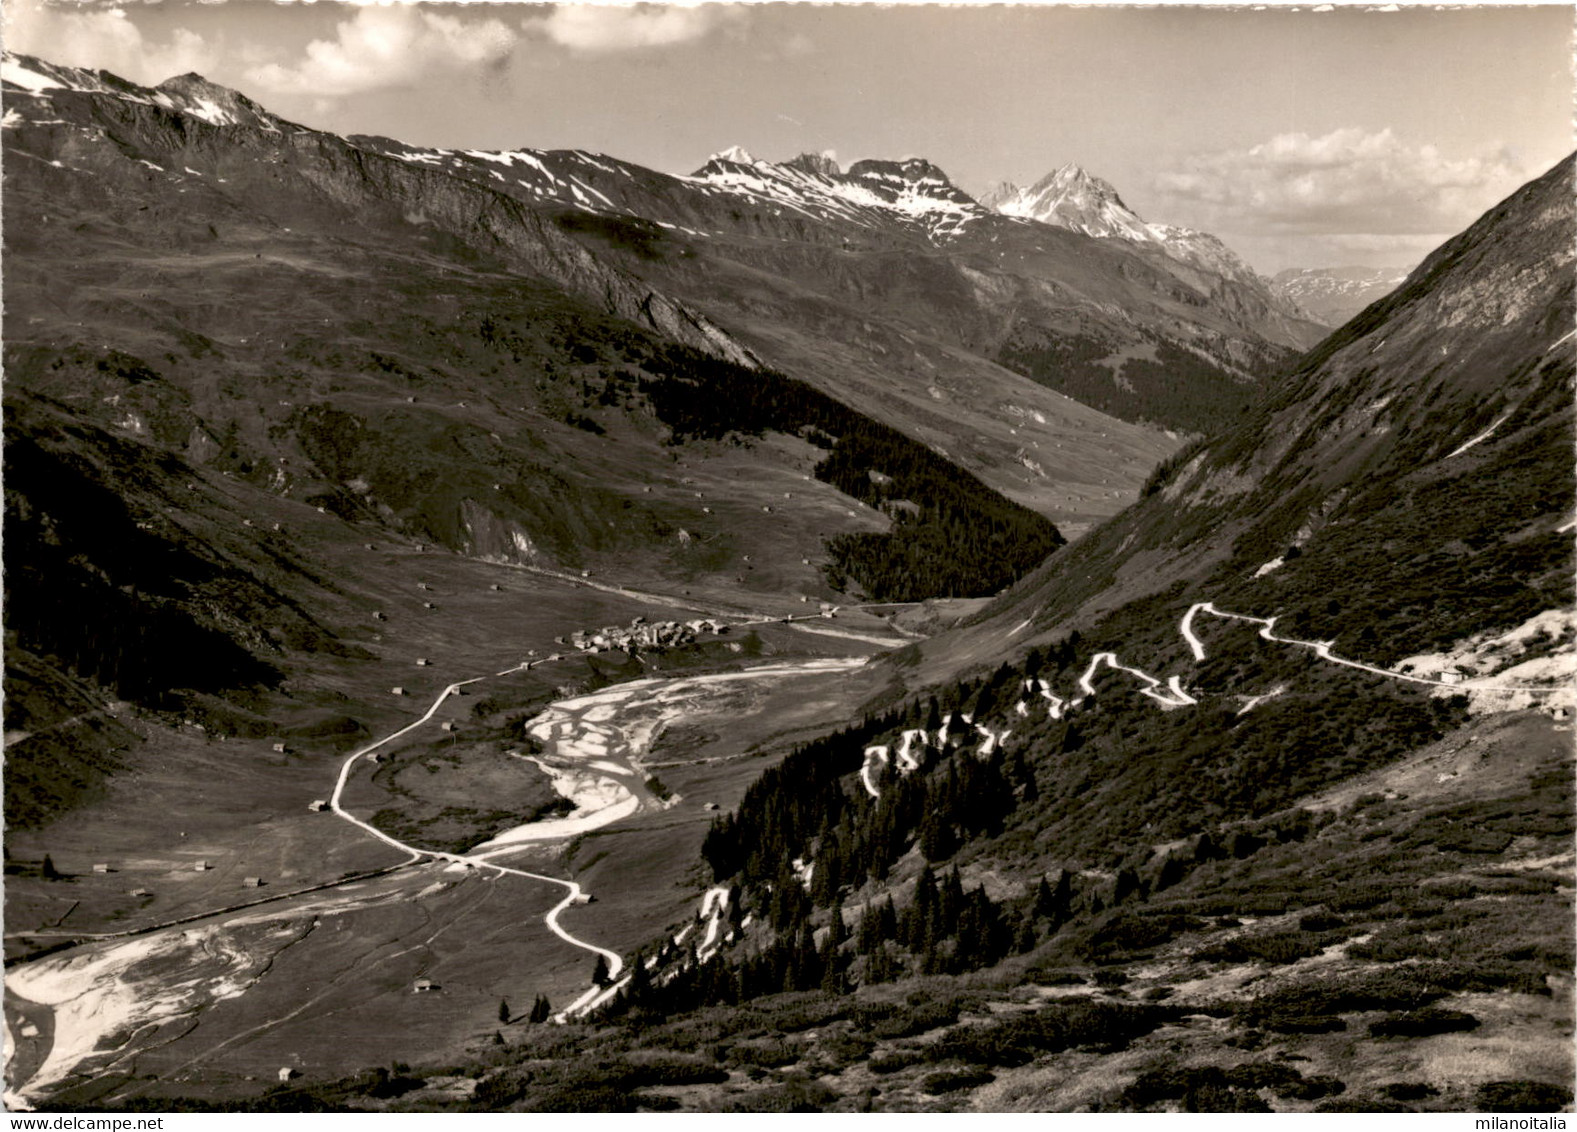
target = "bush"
x: 953, y: 1080
x: 768, y: 1054
x: 896, y: 1061
x: 847, y: 1048
x: 1312, y: 1089
x: 1277, y: 948
x: 798, y: 1095
x: 1400, y: 989
x: 1305, y: 1024
x: 1206, y: 1088
x: 1522, y: 1096
x: 1359, y: 1104
x: 1408, y: 1091
x: 1020, y: 1039
x: 1423, y: 1023
x: 1320, y: 922
x: 904, y: 1022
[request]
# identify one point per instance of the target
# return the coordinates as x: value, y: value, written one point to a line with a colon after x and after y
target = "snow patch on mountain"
x: 737, y: 154
x: 1072, y: 198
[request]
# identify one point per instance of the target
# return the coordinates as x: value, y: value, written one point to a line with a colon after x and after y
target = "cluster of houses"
x: 642, y: 635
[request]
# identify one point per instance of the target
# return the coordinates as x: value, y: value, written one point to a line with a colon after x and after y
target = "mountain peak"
x: 823, y: 164
x: 997, y: 194
x: 737, y: 154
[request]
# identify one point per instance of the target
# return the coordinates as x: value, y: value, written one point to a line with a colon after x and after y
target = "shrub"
x: 768, y: 1053
x: 1422, y: 1023
x: 1305, y: 1024
x: 1320, y: 922
x: 848, y: 1047
x: 905, y: 1022
x: 1020, y: 1039
x: 1399, y: 989
x: 1522, y: 1096
x: 1360, y: 1104
x: 798, y: 1095
x: 1276, y: 948
x: 896, y: 1061
x: 1312, y: 1089
x: 1408, y: 1091
x: 1206, y: 1088
x: 953, y: 1080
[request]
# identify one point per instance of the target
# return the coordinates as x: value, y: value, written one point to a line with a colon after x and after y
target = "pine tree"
x: 937, y: 842
x: 950, y: 901
x: 599, y: 972
x: 1054, y: 902
x: 47, y: 870
x: 541, y: 1011
x: 503, y: 1010
x: 1172, y: 871
x: 837, y: 931
x: 887, y: 921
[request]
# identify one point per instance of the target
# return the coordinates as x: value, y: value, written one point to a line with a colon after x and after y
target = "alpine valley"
x: 518, y: 630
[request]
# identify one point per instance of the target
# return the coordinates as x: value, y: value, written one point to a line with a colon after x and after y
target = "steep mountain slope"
x: 1455, y: 387
x: 1069, y: 197
x: 1335, y: 294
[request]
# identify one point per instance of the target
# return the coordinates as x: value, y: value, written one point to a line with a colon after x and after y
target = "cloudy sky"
x: 1303, y: 137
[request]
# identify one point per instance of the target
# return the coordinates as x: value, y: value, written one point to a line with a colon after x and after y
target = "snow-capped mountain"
x: 1334, y: 294
x: 861, y: 275
x: 913, y: 189
x: 1070, y: 197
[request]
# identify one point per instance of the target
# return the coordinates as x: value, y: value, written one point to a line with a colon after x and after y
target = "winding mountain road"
x: 1169, y: 693
x: 1322, y: 649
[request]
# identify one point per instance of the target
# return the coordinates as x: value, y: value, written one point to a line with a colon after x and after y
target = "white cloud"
x: 390, y: 46
x: 1345, y: 182
x: 596, y: 29
x: 105, y: 39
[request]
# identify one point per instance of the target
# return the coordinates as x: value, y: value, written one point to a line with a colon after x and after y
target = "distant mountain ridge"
x: 883, y: 284
x: 1070, y: 197
x: 1335, y: 294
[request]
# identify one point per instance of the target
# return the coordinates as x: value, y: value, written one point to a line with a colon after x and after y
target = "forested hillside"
x: 951, y: 535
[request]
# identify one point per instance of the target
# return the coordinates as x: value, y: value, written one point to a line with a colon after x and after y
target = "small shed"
x: 495, y: 586
x: 422, y: 662
x: 200, y: 866
x: 139, y: 892
x: 450, y: 725
x: 101, y: 867
x: 428, y: 605
x: 396, y: 691
x: 252, y: 882
x: 1451, y: 676
x: 423, y: 985
x: 280, y: 749
x: 286, y: 1073
x: 377, y: 615
x: 318, y: 805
